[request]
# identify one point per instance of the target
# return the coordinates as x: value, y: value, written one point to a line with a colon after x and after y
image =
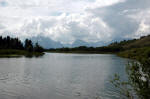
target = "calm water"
x: 60, y: 76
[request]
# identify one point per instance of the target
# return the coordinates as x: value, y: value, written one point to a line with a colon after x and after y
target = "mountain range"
x: 47, y: 43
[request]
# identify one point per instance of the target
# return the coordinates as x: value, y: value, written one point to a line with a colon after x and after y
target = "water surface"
x: 60, y: 76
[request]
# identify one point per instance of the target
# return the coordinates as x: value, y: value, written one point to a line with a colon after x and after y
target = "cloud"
x: 68, y: 20
x: 142, y: 19
x: 117, y: 16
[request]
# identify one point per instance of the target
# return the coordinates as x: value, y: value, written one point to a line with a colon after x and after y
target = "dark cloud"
x: 116, y: 16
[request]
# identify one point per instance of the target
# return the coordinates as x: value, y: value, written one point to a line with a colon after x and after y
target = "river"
x: 60, y: 76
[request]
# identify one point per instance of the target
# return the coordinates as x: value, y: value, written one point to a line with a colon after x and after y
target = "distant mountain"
x: 46, y: 42
x: 49, y: 43
x: 78, y: 43
x: 98, y: 44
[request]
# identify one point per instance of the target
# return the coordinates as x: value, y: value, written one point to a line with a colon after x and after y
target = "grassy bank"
x: 136, y: 53
x: 18, y: 53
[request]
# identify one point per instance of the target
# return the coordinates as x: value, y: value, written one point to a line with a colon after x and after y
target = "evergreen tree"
x: 28, y: 45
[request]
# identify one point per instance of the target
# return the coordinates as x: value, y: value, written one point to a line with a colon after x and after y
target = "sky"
x: 69, y: 20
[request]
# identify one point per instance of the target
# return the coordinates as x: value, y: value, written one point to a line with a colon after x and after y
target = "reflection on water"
x: 59, y: 76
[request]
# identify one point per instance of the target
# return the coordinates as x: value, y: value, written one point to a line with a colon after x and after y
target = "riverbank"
x: 134, y: 53
x: 18, y: 53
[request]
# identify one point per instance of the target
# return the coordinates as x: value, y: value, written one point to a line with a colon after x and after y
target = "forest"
x: 14, y: 47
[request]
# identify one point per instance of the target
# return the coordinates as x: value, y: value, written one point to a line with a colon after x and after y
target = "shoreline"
x: 11, y: 53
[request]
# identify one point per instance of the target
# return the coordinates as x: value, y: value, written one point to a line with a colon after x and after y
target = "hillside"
x: 142, y: 42
x: 135, y: 43
x: 136, y: 48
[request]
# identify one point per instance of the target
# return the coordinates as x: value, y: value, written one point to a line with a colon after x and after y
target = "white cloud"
x: 142, y: 18
x: 68, y: 20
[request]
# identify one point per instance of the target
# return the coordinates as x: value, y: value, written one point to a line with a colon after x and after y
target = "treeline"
x: 84, y: 49
x: 15, y: 43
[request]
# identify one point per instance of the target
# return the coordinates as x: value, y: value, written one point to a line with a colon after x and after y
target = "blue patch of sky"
x: 56, y: 13
x: 91, y: 0
x: 87, y: 0
x: 3, y: 3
